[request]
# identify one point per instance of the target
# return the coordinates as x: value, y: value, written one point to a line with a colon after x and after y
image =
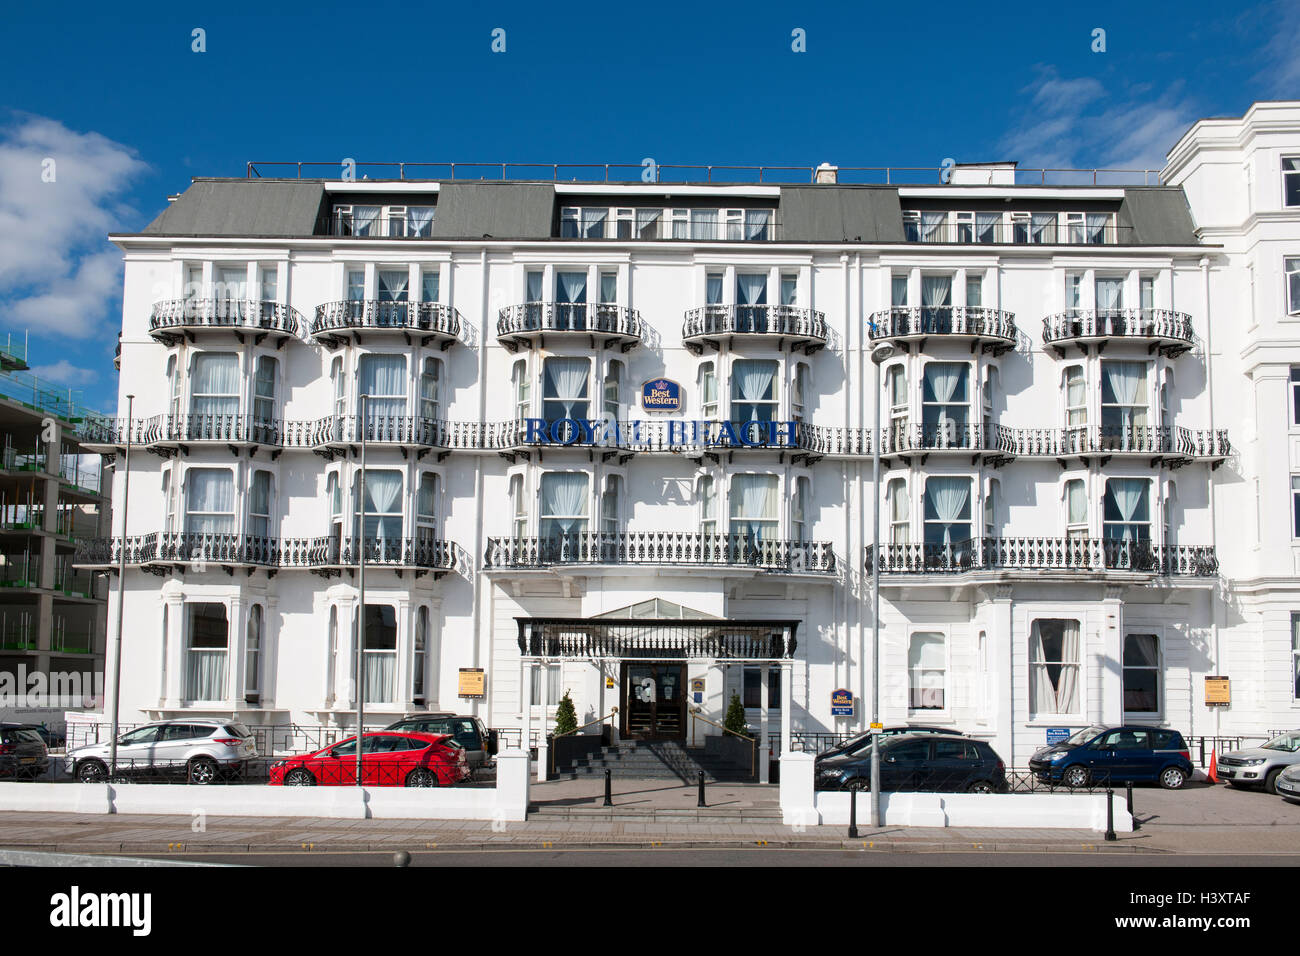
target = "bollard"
x: 1110, y: 815
x: 401, y: 858
x: 1129, y: 785
x: 700, y: 802
x: 853, y: 814
x: 609, y: 801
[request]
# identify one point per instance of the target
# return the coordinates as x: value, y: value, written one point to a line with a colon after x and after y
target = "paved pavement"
x: 568, y: 815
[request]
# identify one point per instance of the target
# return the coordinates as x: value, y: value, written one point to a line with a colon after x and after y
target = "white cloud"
x: 57, y: 271
x: 1281, y: 74
x: 66, y: 373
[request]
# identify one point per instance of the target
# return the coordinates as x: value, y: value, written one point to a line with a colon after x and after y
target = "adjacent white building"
x: 618, y: 442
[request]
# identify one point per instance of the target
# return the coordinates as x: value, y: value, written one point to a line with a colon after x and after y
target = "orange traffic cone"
x: 1213, y: 773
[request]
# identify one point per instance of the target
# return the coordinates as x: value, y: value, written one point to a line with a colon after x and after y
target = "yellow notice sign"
x: 472, y: 682
x: 1218, y: 693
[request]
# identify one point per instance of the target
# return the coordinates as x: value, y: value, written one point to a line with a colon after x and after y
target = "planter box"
x: 735, y: 751
x: 566, y: 750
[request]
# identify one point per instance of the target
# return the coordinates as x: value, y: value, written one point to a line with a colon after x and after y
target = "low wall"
x: 801, y: 805
x: 507, y: 801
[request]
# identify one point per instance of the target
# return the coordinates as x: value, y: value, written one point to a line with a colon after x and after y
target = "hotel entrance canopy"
x: 669, y: 639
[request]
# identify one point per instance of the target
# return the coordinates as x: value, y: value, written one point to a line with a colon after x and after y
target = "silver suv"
x: 203, y: 748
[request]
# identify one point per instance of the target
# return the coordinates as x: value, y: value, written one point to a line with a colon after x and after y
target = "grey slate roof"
x: 828, y: 213
x: 1159, y: 215
x: 242, y: 207
x: 499, y: 210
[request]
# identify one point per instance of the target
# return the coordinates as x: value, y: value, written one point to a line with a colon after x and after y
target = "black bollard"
x: 853, y: 814
x: 609, y: 795
x: 1110, y: 815
x: 700, y: 802
x: 401, y: 858
x: 1129, y: 786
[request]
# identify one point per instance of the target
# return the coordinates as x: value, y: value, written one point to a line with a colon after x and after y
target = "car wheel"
x: 299, y: 778
x: 981, y: 786
x: 203, y: 770
x: 857, y: 785
x: 91, y: 771
x: 1075, y: 777
x: 1171, y: 778
x: 421, y: 777
x: 1270, y: 782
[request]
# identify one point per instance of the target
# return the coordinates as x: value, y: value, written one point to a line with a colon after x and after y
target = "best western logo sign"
x: 663, y: 434
x: 661, y: 395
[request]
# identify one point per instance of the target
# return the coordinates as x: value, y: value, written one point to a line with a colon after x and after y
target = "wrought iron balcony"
x: 338, y: 323
x: 992, y: 329
x: 528, y: 324
x: 1171, y: 444
x: 177, y: 431
x: 323, y: 554
x: 1045, y: 554
x: 791, y: 325
x: 1161, y: 330
x: 175, y: 319
x: 687, y: 548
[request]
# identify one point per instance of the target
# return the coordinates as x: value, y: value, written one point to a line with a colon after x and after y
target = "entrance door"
x: 654, y: 706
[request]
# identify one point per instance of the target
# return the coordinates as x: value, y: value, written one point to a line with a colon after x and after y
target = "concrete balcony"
x: 599, y: 324
x: 1082, y: 556
x: 360, y: 320
x: 784, y: 326
x: 659, y: 548
x: 1160, y: 330
x: 175, y: 320
x: 990, y: 330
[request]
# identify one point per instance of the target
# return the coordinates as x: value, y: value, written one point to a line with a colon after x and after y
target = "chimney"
x: 826, y: 174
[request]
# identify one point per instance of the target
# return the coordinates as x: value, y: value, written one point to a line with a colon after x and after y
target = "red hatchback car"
x: 387, y: 760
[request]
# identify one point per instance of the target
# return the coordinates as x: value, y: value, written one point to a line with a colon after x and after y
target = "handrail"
x: 574, y: 732
x: 725, y: 730
x: 753, y: 750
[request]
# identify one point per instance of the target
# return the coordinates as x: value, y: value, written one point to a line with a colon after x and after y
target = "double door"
x: 654, y: 701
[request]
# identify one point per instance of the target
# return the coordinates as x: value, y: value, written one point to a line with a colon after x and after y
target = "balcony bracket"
x: 694, y: 348
x: 1057, y: 350
x: 276, y: 453
x: 443, y: 454
x: 1104, y: 460
x: 419, y: 455
x: 511, y: 345
x: 327, y: 572
x: 234, y: 451
x: 627, y: 346
x: 161, y: 570
x: 162, y: 452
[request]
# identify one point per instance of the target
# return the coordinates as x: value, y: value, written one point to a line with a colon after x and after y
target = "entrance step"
x: 616, y: 814
x: 653, y: 760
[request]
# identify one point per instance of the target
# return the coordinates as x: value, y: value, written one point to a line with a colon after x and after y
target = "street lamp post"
x: 121, y: 592
x: 879, y: 354
x: 361, y: 589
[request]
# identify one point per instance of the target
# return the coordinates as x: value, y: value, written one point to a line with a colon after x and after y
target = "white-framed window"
x: 522, y: 388
x: 430, y: 280
x: 752, y: 687
x: 1293, y: 286
x: 610, y: 505
x: 592, y: 221
x: 733, y: 224
x: 1295, y: 655
x: 356, y: 285
x: 331, y: 660
x: 431, y: 389
x: 707, y: 494
x: 1295, y: 506
x: 1147, y: 292
x: 974, y: 289
x: 394, y: 285
x: 754, y: 394
x: 1075, y: 386
x: 193, y: 285
x: 647, y: 223
x: 340, y: 388
x: 383, y: 379
x: 533, y: 282
x: 751, y: 300
x: 411, y: 222
x: 1141, y: 674
x: 419, y: 222
x: 268, y: 369
x: 757, y: 224
x: 171, y: 490
x: 209, y: 501
x: 947, y: 512
x: 1110, y: 294
x: 898, y: 291
x: 708, y: 391
x: 564, y: 506
x: 679, y: 222
x: 1042, y: 228
x: 623, y: 223
x: 933, y: 226
x: 799, y: 509
x: 927, y: 671
x: 259, y: 505
x: 613, y: 388
x: 334, y: 494
x: 704, y: 224
x: 797, y: 389
x: 270, y: 281
x: 1125, y: 403
x: 214, y: 384
x: 568, y: 222
x: 230, y: 283
x: 550, y: 674
x: 565, y: 388
x: 174, y: 381
x: 1054, y: 651
x: 608, y: 288
x: 752, y: 501
x: 1020, y: 227
x: 253, y: 656
x: 207, y: 642
x: 1076, y: 509
x: 911, y: 225
x: 789, y: 289
x: 900, y: 524
x: 1074, y: 290
x: 945, y: 401
x: 426, y: 510
x: 518, y: 506
x: 991, y: 509
x: 378, y: 520
x: 1291, y: 181
x: 420, y: 655
x: 1126, y: 510
x: 379, y: 663
x: 896, y: 395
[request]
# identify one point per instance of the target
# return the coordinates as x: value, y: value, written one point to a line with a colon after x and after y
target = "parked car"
x: 479, y: 742
x: 1255, y: 766
x: 22, y: 752
x: 863, y: 741
x: 203, y: 748
x: 913, y: 762
x: 1288, y: 784
x: 387, y: 760
x: 1131, y: 753
x: 52, y: 738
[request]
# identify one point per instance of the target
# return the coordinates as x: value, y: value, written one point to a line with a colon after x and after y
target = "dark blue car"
x: 1105, y: 755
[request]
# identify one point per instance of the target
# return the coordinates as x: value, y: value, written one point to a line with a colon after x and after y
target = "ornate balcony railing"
x: 799, y: 326
x: 1045, y: 554
x: 1171, y: 331
x: 993, y: 326
x: 191, y: 548
x: 660, y: 547
x: 426, y: 319
x: 522, y: 323
x: 174, y: 317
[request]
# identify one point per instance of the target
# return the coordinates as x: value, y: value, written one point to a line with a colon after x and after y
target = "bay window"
x: 1141, y: 674
x: 356, y: 285
x: 947, y: 513
x: 1124, y: 404
x: 253, y: 656
x: 926, y: 671
x: 383, y: 379
x: 1076, y: 398
x: 799, y: 510
x: 609, y: 506
x: 522, y: 388
x: 707, y: 494
x: 936, y: 300
x: 1054, y: 667
x: 259, y: 505
x: 426, y: 510
x: 613, y: 388
x: 751, y: 296
x: 209, y: 501
x: 752, y: 503
x: 753, y: 395
x: 945, y: 403
x: 1110, y: 301
x: 1076, y: 510
x: 565, y: 388
x: 207, y: 642
x: 429, y: 283
x: 214, y: 385
x: 430, y: 388
x: 518, y: 506
x: 789, y: 289
x: 394, y: 293
x: 377, y: 520
x: 270, y: 281
x: 898, y: 291
x: 264, y: 398
x: 571, y: 300
x: 708, y: 392
x: 974, y: 290
x: 1126, y: 510
x: 229, y: 283
x: 379, y: 661
x: 564, y: 509
x: 899, y: 519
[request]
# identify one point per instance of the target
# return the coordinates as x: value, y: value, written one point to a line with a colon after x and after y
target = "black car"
x: 52, y: 738
x: 1103, y: 755
x: 478, y: 742
x: 22, y: 752
x: 944, y: 763
x: 863, y: 741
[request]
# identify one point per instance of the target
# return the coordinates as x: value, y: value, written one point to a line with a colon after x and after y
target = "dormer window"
x: 394, y: 222
x: 698, y: 223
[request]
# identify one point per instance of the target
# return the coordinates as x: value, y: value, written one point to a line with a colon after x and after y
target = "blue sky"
x: 129, y: 112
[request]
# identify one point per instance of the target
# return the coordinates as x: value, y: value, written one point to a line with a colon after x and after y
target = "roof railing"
x: 677, y: 174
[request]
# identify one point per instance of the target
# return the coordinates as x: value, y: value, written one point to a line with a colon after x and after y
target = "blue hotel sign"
x: 842, y: 703
x: 661, y: 395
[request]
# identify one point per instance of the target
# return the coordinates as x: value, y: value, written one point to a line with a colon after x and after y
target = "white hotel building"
x: 1090, y: 432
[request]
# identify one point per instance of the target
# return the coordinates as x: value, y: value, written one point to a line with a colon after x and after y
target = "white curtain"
x: 1054, y: 667
x: 1076, y: 503
x: 1129, y: 495
x: 419, y: 220
x: 205, y: 675
x: 1127, y: 383
x: 534, y: 291
x: 212, y: 492
x: 566, y: 383
x: 593, y: 222
x: 704, y: 224
x: 392, y: 286
x: 926, y: 665
x: 380, y: 676
x: 753, y: 505
x: 713, y: 289
x: 571, y: 287
x: 364, y: 219
x: 1043, y: 227
x: 932, y: 226
x: 944, y: 379
x: 383, y: 489
x: 564, y: 502
x: 936, y: 290
x: 1110, y: 294
x: 383, y: 378
x: 215, y: 384
x: 751, y: 289
x: 751, y: 380
x: 1097, y: 223
x: 950, y: 499
x: 756, y: 221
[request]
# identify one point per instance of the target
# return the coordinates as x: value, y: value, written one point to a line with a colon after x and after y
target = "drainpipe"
x: 1216, y: 597
x: 476, y: 557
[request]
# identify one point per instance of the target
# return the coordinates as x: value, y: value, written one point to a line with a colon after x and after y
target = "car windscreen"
x: 1083, y: 736
x: 1287, y: 742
